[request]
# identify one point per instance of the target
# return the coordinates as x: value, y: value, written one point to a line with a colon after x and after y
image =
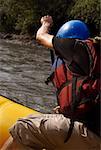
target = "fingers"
x: 47, y: 19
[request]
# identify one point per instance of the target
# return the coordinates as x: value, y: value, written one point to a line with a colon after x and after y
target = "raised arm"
x: 43, y: 36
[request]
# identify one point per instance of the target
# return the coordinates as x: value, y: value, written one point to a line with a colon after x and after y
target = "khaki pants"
x: 49, y: 131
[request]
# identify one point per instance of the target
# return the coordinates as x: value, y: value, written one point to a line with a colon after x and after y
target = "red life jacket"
x: 76, y: 93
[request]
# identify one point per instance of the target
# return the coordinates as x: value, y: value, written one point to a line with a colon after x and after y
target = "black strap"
x: 71, y: 126
x: 52, y: 56
x: 49, y: 79
x: 62, y: 86
x: 52, y: 61
x: 65, y: 68
x: 74, y: 82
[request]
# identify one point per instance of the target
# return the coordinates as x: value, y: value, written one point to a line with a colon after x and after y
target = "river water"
x: 23, y: 70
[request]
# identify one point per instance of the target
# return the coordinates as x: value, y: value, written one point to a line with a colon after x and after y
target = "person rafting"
x: 75, y: 75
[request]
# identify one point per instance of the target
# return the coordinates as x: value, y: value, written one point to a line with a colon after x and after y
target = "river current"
x: 23, y: 70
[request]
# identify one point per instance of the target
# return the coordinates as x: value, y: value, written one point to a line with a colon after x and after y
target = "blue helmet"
x: 74, y: 29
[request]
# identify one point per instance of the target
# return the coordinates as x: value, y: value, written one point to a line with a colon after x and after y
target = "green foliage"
x: 20, y: 15
x: 88, y: 11
x: 23, y: 16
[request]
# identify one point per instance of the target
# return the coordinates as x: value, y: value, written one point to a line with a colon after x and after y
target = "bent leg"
x: 40, y: 131
x: 50, y: 131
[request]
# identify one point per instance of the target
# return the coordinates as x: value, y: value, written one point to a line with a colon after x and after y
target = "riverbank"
x: 19, y: 39
x: 25, y: 39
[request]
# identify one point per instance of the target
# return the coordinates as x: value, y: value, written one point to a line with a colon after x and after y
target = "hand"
x: 47, y: 20
x: 56, y: 110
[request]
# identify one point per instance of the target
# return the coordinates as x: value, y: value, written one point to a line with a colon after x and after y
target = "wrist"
x: 44, y: 29
x: 47, y: 25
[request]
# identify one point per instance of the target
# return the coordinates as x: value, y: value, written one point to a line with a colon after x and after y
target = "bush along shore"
x: 23, y: 17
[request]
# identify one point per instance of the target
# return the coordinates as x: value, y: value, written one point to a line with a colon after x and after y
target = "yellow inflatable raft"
x: 9, y: 113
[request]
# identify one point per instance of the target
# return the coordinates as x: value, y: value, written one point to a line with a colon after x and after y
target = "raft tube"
x: 10, y: 111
